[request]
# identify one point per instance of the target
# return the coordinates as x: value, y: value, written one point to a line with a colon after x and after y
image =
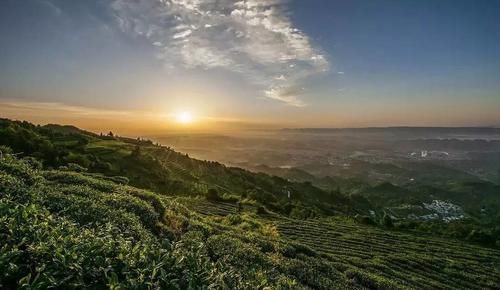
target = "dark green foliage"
x: 136, y: 153
x: 299, y: 212
x: 213, y: 195
x: 387, y: 220
x: 5, y: 150
x: 363, y: 219
x: 261, y: 210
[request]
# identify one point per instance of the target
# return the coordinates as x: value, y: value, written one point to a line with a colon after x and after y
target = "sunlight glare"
x: 184, y: 117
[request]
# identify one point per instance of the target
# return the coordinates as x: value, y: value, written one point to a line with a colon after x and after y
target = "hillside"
x: 162, y: 169
x: 291, y: 192
x: 80, y: 210
x: 65, y: 229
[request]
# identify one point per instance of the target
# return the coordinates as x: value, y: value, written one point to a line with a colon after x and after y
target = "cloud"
x: 253, y: 37
x: 58, y: 109
x: 289, y: 95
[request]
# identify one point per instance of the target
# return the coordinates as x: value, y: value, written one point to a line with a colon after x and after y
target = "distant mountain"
x: 406, y: 130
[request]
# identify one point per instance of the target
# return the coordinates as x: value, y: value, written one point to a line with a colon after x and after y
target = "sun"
x: 184, y: 117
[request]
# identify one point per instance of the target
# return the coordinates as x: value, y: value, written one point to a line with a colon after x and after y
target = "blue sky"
x: 314, y: 63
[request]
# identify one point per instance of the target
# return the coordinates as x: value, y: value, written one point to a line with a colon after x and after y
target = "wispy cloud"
x: 252, y: 37
x: 58, y: 109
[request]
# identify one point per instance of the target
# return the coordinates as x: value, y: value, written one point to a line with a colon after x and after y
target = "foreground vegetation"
x: 65, y: 229
x: 72, y: 216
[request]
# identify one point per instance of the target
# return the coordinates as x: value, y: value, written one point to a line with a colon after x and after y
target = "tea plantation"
x: 70, y: 220
x: 67, y: 230
x: 374, y: 254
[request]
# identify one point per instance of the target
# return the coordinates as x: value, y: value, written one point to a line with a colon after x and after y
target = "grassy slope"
x: 69, y: 230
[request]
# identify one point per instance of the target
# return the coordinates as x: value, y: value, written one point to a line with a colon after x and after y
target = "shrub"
x: 75, y: 167
x: 233, y: 219
x: 270, y: 231
x: 33, y: 162
x: 119, y: 179
x: 5, y: 150
x: 213, y: 195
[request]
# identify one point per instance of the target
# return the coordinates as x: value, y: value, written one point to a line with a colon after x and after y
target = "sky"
x: 135, y: 65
